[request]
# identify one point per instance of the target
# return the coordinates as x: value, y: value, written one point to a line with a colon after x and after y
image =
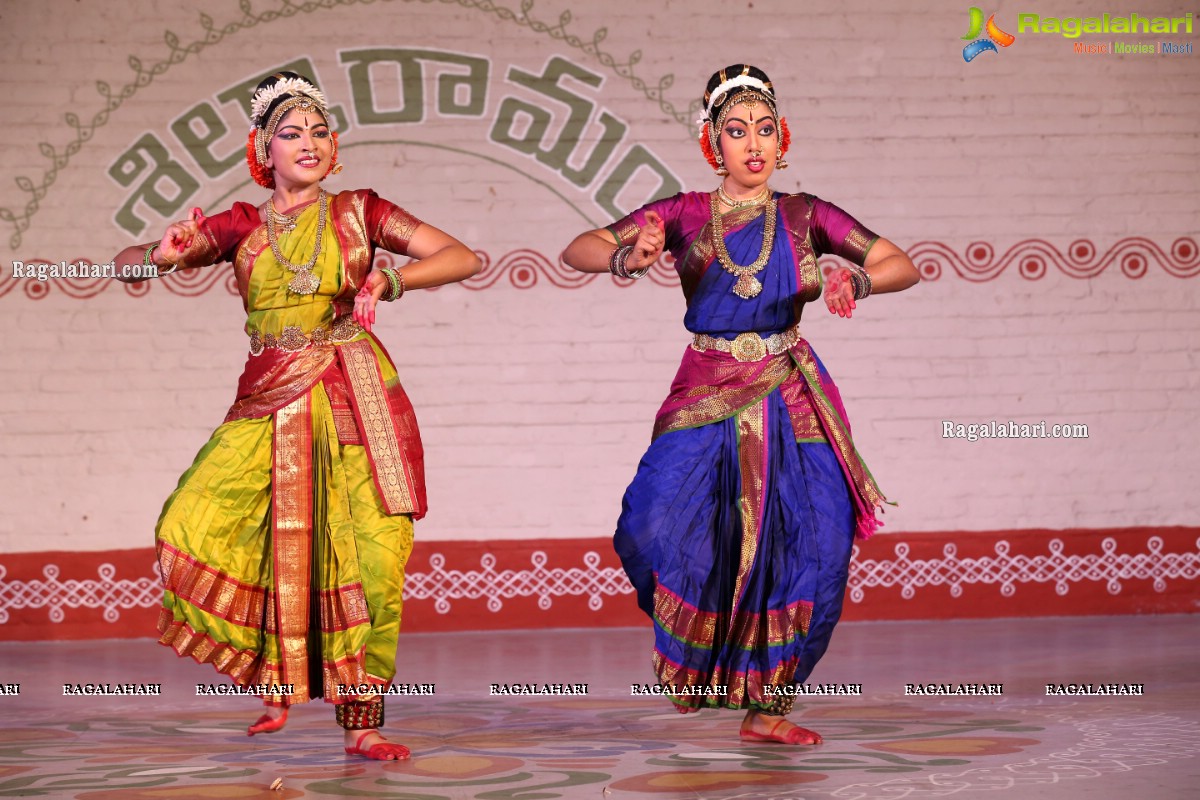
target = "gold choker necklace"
x: 283, y: 222
x: 759, y: 198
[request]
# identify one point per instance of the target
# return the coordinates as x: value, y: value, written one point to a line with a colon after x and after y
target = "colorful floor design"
x: 468, y: 744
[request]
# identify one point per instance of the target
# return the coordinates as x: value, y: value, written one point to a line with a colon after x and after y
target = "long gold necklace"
x: 747, y: 286
x: 305, y: 282
x: 753, y: 201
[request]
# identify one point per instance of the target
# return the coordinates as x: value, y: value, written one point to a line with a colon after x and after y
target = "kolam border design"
x: 1007, y: 570
x: 527, y: 269
x: 579, y: 582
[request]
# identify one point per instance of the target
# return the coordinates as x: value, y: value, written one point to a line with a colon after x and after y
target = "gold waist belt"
x: 293, y: 339
x: 748, y: 346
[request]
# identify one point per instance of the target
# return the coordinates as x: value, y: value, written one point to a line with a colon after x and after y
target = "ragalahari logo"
x: 995, y: 36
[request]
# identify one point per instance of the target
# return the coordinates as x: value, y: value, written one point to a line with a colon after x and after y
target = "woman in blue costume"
x: 737, y: 529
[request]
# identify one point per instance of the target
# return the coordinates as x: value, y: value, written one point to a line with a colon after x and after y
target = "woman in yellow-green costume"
x: 282, y: 551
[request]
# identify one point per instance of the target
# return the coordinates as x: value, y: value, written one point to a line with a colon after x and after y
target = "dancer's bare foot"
x: 371, y: 744
x: 757, y: 727
x: 272, y: 720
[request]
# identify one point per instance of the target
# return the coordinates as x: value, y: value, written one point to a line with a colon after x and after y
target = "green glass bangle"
x: 390, y: 294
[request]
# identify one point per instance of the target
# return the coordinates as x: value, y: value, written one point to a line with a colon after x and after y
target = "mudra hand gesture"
x: 178, y: 238
x: 368, y: 297
x: 649, y: 244
x: 839, y: 293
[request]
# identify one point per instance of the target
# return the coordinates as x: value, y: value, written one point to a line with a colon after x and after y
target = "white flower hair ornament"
x: 267, y: 95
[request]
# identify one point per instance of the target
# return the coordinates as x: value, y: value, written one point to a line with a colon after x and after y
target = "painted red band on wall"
x: 576, y: 583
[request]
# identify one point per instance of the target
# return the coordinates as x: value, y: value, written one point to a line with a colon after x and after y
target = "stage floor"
x: 468, y: 743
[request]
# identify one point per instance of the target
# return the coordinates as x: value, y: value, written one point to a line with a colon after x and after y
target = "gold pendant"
x: 304, y: 283
x: 747, y: 286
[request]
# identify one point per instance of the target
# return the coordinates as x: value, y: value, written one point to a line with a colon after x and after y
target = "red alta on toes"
x: 795, y: 735
x: 267, y: 724
x: 380, y: 751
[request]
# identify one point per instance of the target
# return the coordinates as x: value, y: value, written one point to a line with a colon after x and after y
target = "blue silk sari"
x: 737, y: 529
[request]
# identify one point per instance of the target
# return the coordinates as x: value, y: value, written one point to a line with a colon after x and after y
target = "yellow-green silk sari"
x: 281, y: 564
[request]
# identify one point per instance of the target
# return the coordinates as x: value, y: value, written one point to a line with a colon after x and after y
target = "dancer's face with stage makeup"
x: 749, y: 144
x: 301, y: 149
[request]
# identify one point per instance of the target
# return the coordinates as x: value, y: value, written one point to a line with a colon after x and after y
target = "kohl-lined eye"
x: 735, y: 133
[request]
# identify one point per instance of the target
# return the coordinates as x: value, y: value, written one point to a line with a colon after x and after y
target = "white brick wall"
x: 536, y: 403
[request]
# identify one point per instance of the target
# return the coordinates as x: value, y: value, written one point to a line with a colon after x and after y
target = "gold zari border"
x: 292, y: 515
x: 245, y: 668
x: 210, y: 590
x: 805, y: 424
x: 202, y: 253
x: 378, y: 427
x: 698, y: 628
x: 723, y: 402
x: 626, y: 231
x: 837, y: 432
x: 743, y: 692
x: 752, y: 457
x: 346, y: 213
x: 395, y: 230
x: 856, y: 244
x: 244, y: 258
